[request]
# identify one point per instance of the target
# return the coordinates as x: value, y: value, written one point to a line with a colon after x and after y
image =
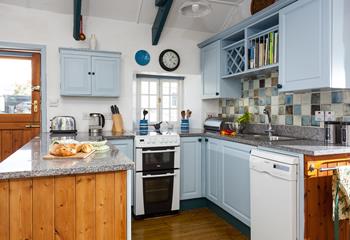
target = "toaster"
x: 63, y: 124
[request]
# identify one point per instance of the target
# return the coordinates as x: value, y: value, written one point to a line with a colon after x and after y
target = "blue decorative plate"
x: 142, y: 57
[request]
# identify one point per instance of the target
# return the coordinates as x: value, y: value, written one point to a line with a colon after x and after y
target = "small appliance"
x: 96, y: 124
x: 157, y: 174
x: 332, y: 132
x: 216, y: 124
x: 63, y: 124
x: 345, y: 133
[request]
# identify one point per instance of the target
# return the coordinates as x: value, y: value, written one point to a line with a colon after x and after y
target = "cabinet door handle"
x: 199, y: 140
x: 279, y: 86
x: 93, y: 73
x: 89, y: 73
x: 217, y: 94
x: 206, y: 140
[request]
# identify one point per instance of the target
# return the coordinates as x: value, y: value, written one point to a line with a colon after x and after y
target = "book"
x: 266, y: 55
x: 261, y: 53
x: 271, y: 47
x: 256, y: 54
x: 275, y: 56
x: 251, y: 57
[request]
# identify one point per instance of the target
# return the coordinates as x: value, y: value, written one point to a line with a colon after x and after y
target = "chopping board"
x: 79, y: 155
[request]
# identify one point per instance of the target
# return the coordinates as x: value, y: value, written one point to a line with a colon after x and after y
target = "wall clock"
x: 169, y: 60
x: 142, y: 57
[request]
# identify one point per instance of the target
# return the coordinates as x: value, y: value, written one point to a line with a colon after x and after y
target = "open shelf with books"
x: 253, y: 50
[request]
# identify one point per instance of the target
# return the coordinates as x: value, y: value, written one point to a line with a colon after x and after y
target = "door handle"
x: 159, y: 175
x: 35, y: 106
x: 32, y: 126
x: 36, y: 88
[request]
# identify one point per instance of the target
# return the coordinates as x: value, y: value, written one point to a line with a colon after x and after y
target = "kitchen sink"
x: 264, y: 137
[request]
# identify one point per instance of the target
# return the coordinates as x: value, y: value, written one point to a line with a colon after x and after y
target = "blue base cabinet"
x: 227, y: 177
x: 90, y: 73
x: 191, y: 168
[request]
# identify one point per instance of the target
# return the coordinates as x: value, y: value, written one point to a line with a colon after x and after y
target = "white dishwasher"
x: 273, y: 200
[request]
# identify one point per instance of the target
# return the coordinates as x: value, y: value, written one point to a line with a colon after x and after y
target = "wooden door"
x: 20, y: 111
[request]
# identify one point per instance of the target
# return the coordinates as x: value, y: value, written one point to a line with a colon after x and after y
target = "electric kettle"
x: 96, y: 123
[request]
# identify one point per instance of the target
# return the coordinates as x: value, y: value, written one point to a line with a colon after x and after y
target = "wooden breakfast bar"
x: 63, y: 199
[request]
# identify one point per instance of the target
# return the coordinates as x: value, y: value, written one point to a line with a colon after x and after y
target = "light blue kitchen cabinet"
x: 210, y: 64
x: 213, y: 85
x: 74, y: 75
x: 126, y: 146
x: 314, y: 50
x: 214, y: 157
x: 191, y: 168
x: 105, y: 73
x: 90, y: 73
x: 236, y: 180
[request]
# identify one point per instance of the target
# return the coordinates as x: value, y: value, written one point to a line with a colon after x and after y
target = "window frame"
x: 160, y: 96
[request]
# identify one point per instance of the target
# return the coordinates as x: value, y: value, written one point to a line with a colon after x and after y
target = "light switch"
x: 319, y: 116
x: 329, y: 116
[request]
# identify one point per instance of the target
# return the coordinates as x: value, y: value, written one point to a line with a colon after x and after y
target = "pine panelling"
x: 43, y: 209
x: 105, y: 221
x: 1, y: 146
x: 64, y: 192
x: 21, y: 209
x: 319, y: 203
x: 120, y: 205
x: 85, y: 207
x: 17, y: 139
x: 89, y: 206
x: 4, y: 210
x: 6, y: 147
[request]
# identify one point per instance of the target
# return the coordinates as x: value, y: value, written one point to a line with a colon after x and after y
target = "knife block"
x: 117, y: 123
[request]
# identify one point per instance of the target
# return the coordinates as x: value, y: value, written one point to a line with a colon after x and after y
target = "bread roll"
x: 85, y: 148
x: 62, y: 150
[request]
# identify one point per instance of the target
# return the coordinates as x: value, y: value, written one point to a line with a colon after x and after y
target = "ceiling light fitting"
x: 195, y: 8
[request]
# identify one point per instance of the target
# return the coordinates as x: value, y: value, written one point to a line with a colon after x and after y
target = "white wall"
x: 54, y: 30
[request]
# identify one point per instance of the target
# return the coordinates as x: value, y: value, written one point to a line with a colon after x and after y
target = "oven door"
x: 157, y: 192
x: 157, y: 158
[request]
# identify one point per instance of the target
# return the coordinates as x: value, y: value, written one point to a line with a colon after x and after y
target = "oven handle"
x: 159, y: 175
x: 159, y: 151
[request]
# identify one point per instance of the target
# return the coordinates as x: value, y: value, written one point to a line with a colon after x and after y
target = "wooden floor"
x: 201, y: 224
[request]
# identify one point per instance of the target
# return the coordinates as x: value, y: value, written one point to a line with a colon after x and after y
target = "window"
x: 16, y: 83
x: 162, y: 98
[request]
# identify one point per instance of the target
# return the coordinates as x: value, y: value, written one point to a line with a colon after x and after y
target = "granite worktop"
x: 28, y: 161
x: 297, y: 145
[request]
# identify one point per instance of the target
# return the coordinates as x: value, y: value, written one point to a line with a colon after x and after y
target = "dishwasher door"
x: 273, y: 187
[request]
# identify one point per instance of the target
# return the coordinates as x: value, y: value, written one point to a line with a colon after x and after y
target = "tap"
x: 269, y: 129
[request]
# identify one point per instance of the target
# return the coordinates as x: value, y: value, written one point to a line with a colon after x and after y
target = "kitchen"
x: 293, y: 99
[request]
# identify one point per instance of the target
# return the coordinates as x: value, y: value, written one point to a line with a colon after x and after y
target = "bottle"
x: 93, y: 42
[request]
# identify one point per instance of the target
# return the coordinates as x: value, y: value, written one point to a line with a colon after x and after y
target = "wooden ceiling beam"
x: 76, y: 19
x: 159, y: 21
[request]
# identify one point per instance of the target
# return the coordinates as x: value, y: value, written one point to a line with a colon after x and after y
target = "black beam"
x: 76, y: 19
x: 160, y: 19
x: 160, y: 3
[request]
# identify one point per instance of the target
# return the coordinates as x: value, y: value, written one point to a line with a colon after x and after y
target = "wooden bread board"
x: 79, y: 155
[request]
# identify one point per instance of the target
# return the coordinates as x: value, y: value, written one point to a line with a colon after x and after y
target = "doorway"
x: 20, y: 99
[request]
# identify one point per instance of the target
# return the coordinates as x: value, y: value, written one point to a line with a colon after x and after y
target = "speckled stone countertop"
x: 28, y: 162
x: 301, y: 146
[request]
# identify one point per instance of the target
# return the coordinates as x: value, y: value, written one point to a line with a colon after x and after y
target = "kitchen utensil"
x: 116, y: 109
x: 112, y: 109
x: 97, y: 122
x: 183, y: 114
x: 157, y: 126
x: 145, y: 112
x: 188, y: 114
x: 63, y: 124
x: 82, y: 36
x: 345, y: 133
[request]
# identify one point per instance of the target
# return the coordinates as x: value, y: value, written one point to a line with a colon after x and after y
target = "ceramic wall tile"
x: 286, y: 108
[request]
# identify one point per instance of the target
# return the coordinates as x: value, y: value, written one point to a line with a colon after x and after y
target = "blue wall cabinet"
x: 236, y: 180
x: 191, y: 168
x: 90, y: 73
x: 313, y: 49
x: 213, y: 179
x: 210, y: 65
x: 74, y: 75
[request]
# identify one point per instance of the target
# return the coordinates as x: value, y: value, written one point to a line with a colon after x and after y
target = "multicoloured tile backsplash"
x: 286, y: 108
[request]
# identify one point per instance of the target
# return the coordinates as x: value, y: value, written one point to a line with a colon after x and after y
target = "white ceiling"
x: 144, y: 11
